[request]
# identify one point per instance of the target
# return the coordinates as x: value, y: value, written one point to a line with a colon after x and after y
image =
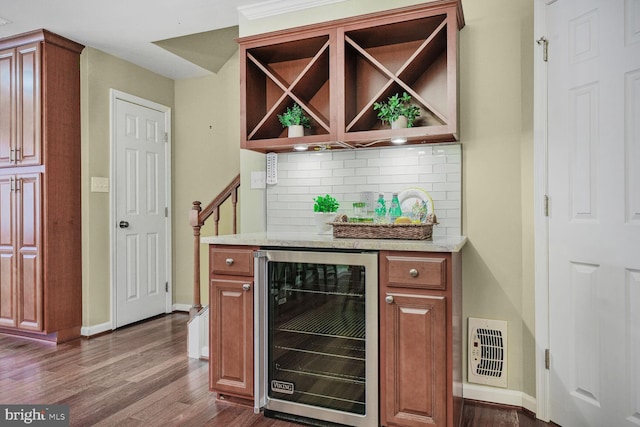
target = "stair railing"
x: 197, y: 218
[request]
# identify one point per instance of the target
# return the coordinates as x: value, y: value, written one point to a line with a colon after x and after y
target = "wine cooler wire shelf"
x: 334, y: 321
x: 354, y: 379
x: 333, y: 398
x: 319, y: 353
x: 332, y: 293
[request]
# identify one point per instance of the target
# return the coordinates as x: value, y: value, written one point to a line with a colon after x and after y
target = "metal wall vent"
x: 487, y: 352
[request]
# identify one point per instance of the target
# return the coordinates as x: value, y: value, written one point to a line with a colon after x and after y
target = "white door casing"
x: 140, y: 207
x: 588, y: 162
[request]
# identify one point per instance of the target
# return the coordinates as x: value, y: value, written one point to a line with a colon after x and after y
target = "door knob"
x: 246, y: 287
x: 389, y: 299
x: 124, y: 224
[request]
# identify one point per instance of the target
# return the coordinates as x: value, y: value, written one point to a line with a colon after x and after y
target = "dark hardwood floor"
x: 141, y: 376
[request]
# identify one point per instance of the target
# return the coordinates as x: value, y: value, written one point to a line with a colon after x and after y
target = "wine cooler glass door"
x: 321, y: 328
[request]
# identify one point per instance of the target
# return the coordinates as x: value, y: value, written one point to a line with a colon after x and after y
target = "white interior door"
x: 142, y: 257
x: 594, y: 221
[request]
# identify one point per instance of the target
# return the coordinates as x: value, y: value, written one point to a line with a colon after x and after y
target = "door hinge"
x: 166, y: 137
x: 166, y: 286
x: 545, y: 48
x: 546, y: 205
x: 546, y: 358
x: 166, y: 212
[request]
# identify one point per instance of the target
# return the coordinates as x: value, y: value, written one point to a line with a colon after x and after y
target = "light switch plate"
x: 99, y: 184
x: 258, y: 179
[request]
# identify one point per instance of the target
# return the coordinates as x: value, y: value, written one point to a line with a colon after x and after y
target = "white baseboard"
x: 181, y: 307
x: 502, y: 396
x: 87, y: 331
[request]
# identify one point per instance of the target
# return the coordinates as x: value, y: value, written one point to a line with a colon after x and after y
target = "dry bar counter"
x: 360, y: 332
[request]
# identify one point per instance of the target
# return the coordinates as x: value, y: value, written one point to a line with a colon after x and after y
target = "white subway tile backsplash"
x: 345, y: 174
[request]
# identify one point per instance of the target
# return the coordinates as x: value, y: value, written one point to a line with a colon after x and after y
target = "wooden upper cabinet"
x: 28, y: 142
x: 281, y: 71
x: 20, y: 137
x: 7, y: 106
x: 338, y: 70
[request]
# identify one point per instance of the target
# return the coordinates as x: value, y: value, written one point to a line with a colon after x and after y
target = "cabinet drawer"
x: 236, y: 262
x: 429, y: 272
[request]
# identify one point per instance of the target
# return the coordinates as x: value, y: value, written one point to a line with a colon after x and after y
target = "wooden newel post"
x: 196, y: 224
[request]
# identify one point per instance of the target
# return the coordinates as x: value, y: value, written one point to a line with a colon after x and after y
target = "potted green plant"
x: 395, y: 108
x: 324, y: 209
x: 325, y: 204
x: 295, y: 120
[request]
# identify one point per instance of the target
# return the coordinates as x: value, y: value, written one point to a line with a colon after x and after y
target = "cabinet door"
x: 7, y: 252
x: 231, y: 340
x: 28, y: 141
x: 29, y: 269
x: 7, y: 105
x: 414, y: 358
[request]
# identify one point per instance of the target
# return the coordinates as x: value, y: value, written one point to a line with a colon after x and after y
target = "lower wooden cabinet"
x: 231, y: 352
x: 415, y: 356
x: 231, y: 321
x: 420, y: 339
x: 21, y: 286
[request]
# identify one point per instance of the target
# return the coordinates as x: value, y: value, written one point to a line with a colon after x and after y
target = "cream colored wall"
x: 206, y: 159
x: 496, y: 89
x: 101, y: 72
x: 496, y: 75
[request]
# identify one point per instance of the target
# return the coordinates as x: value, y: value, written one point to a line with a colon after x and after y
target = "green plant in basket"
x: 395, y: 107
x: 294, y: 116
x: 325, y: 204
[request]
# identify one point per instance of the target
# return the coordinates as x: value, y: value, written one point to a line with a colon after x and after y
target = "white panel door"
x: 594, y: 221
x: 141, y: 221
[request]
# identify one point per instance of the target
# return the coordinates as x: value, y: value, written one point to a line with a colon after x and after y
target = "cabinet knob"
x: 246, y: 287
x: 413, y: 272
x: 229, y: 261
x: 389, y: 299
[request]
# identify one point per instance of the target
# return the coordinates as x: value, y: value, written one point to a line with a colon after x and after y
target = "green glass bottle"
x: 395, y: 210
x: 381, y: 210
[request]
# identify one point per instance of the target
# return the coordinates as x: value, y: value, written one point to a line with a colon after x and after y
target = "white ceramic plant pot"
x: 322, y: 220
x: 400, y: 123
x: 295, y: 131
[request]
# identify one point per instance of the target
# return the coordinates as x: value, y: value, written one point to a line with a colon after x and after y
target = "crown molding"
x: 278, y: 7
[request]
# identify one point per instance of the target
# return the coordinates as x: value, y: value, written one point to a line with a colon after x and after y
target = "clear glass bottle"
x: 395, y: 210
x: 381, y: 210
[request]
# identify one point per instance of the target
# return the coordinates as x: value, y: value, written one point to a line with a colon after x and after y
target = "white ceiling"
x: 128, y: 29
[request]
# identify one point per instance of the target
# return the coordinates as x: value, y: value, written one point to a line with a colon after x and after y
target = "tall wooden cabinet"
x: 420, y: 339
x: 337, y: 70
x: 40, y: 229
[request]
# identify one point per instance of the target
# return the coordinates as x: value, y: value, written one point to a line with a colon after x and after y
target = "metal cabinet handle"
x: 246, y: 287
x: 413, y: 272
x: 389, y: 299
x: 229, y: 261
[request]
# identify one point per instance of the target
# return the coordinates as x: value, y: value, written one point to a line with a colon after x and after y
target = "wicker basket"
x: 351, y: 230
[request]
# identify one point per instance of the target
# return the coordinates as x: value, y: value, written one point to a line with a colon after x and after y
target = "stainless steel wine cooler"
x: 316, y: 336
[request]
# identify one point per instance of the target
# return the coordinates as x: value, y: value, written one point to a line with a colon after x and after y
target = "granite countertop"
x: 327, y: 241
